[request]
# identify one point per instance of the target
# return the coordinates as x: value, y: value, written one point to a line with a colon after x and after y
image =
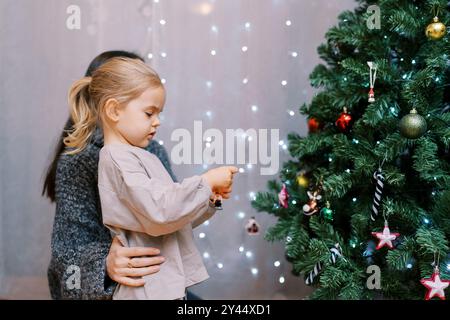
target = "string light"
x: 208, y: 114
x: 214, y: 29
x: 163, y: 54
x: 294, y: 54
x: 241, y: 170
x: 281, y: 279
x: 248, y: 254
x: 252, y: 195
x: 205, y: 255
x: 291, y: 113
x: 206, y: 223
x: 241, y: 215
x: 209, y: 84
x: 425, y: 220
x: 201, y: 235
x: 284, y: 83
x: 161, y: 142
x: 254, y: 271
x: 241, y: 249
x: 244, y: 49
x: 220, y: 265
x: 245, y: 81
x: 150, y: 56
x: 247, y: 25
x: 277, y: 263
x: 254, y: 108
x: 213, y: 52
x: 288, y: 23
x: 162, y: 22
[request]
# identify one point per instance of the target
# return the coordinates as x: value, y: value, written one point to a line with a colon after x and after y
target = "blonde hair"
x: 122, y: 79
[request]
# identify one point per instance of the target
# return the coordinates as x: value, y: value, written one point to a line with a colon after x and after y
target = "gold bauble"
x: 435, y: 30
x: 302, y: 181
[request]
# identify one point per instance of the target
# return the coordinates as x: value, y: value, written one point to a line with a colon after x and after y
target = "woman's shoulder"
x: 85, y: 159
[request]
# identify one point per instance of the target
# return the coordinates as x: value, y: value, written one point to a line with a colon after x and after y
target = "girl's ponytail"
x: 84, y: 116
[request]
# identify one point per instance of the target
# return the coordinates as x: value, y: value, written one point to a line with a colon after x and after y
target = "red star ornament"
x: 435, y: 286
x: 385, y: 237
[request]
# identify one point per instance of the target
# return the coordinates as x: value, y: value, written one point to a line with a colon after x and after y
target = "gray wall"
x: 40, y: 58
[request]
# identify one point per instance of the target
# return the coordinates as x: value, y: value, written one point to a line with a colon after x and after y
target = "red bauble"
x: 344, y: 121
x: 314, y: 125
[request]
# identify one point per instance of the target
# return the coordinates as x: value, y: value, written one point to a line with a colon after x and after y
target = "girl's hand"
x: 123, y: 264
x: 221, y: 179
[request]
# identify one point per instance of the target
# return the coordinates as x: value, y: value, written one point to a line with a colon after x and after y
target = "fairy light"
x: 354, y: 199
x: 163, y: 81
x: 254, y: 108
x: 162, y: 22
x: 294, y: 202
x: 245, y: 81
x: 208, y: 114
x: 206, y: 223
x: 213, y: 52
x: 201, y: 235
x: 288, y: 23
x: 248, y: 254
x: 241, y: 249
x: 205, y: 255
x: 413, y: 61
x: 241, y: 170
x: 294, y: 54
x: 254, y: 271
x: 348, y: 170
x: 150, y: 56
x: 281, y: 279
x: 277, y: 263
x: 163, y: 54
x: 409, y: 265
x: 244, y: 49
x: 241, y: 215
x: 220, y: 265
x: 291, y: 113
x: 214, y: 29
x: 249, y: 166
x: 284, y: 83
x: 161, y: 142
x: 252, y: 195
x: 209, y: 84
x: 425, y: 220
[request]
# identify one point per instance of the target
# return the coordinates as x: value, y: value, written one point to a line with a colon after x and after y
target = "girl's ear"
x: 112, y: 110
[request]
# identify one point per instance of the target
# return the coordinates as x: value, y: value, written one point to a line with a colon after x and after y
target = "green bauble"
x: 327, y: 213
x: 413, y: 125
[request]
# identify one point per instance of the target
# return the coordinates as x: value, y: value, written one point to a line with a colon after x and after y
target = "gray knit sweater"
x: 80, y: 241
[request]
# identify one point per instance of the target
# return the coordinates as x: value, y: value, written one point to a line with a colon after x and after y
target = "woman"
x: 85, y: 262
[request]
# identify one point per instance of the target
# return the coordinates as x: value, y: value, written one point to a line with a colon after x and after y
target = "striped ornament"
x: 335, y: 253
x: 379, y: 177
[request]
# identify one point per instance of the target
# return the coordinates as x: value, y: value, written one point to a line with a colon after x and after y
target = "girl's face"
x: 139, y: 119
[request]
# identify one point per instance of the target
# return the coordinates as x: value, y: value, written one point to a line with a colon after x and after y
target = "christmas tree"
x: 368, y: 192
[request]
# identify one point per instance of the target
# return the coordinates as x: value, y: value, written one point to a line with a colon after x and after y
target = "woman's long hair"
x: 48, y: 188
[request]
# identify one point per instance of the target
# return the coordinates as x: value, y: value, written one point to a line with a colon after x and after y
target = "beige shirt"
x: 144, y: 207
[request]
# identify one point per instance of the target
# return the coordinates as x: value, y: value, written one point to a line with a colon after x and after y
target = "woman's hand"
x: 127, y: 266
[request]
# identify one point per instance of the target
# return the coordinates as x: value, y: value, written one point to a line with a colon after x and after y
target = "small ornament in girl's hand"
x: 283, y: 196
x: 312, y: 206
x: 252, y: 226
x: 218, y: 202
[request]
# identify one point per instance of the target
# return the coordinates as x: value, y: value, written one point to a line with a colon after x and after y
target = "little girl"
x: 140, y: 202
